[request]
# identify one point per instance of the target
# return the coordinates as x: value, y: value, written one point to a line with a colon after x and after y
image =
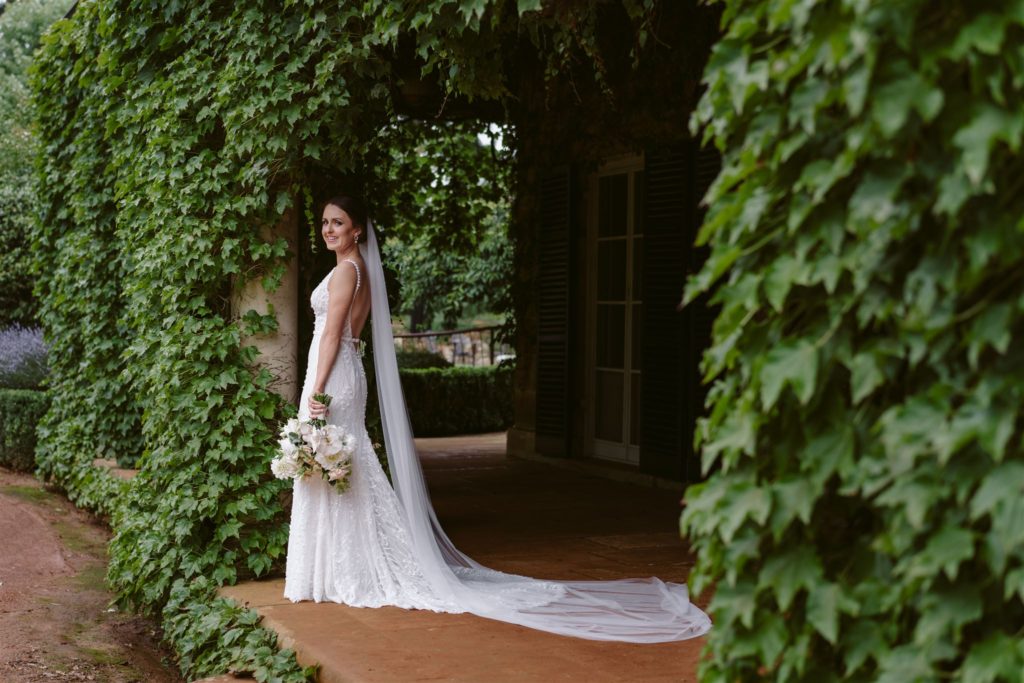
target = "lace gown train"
x: 352, y: 548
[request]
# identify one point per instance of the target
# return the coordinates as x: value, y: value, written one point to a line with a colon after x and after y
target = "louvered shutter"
x: 553, y: 297
x: 672, y: 396
x: 661, y: 396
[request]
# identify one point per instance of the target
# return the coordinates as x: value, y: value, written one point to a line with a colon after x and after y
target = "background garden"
x: 862, y: 515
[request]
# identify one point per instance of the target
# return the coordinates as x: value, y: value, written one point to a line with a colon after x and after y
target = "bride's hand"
x: 316, y: 408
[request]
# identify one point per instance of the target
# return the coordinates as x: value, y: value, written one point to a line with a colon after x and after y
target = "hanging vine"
x: 862, y: 519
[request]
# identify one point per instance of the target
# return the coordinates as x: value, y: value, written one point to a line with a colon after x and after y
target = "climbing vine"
x: 862, y: 519
x: 172, y: 134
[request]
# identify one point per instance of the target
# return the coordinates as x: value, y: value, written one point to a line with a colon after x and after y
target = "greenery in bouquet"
x: 314, y: 447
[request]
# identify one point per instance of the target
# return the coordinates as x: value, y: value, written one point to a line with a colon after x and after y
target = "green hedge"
x: 421, y: 359
x: 20, y: 410
x: 459, y: 400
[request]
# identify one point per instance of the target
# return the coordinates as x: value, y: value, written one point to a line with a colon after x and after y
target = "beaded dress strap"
x: 359, y: 275
x: 359, y: 279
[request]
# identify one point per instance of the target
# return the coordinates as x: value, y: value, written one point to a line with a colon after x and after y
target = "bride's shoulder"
x: 346, y: 274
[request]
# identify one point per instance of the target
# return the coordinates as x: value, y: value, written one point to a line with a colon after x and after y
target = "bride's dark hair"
x: 353, y: 206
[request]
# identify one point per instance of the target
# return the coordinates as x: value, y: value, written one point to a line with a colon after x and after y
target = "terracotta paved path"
x: 516, y: 516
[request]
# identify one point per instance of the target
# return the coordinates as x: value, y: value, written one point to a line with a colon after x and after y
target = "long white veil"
x: 631, y: 610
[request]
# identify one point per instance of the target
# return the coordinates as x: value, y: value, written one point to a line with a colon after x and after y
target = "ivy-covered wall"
x: 171, y: 135
x: 862, y: 514
x: 863, y: 517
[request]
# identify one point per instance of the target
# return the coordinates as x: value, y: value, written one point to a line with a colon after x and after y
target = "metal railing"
x: 467, y: 346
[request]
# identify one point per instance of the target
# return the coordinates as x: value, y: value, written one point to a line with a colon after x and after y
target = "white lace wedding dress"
x: 352, y: 548
x: 376, y: 545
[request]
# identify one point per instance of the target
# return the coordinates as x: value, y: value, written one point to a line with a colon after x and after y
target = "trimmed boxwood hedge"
x: 408, y: 360
x: 20, y: 410
x: 458, y: 400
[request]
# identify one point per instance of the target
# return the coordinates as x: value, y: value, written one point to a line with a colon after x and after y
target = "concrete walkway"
x: 516, y: 516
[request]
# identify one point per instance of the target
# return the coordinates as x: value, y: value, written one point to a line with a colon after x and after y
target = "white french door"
x: 614, y: 306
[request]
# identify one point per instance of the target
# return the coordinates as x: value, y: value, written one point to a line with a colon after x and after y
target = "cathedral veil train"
x: 380, y: 543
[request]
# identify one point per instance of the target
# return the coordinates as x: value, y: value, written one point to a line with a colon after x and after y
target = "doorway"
x: 614, y: 309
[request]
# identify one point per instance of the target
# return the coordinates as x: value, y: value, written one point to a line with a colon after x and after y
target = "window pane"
x: 637, y: 339
x: 634, y: 409
x: 611, y: 335
x: 613, y: 191
x: 608, y: 417
x: 638, y: 269
x: 611, y: 270
x: 638, y: 203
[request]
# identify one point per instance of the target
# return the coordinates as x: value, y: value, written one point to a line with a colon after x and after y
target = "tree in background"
x: 21, y: 25
x: 448, y: 208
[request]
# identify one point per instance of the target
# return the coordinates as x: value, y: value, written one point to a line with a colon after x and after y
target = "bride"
x: 375, y: 545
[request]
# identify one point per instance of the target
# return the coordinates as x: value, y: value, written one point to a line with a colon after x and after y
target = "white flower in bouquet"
x: 290, y: 427
x: 330, y: 454
x: 288, y: 447
x: 313, y: 447
x: 332, y: 440
x: 286, y: 466
x: 306, y: 431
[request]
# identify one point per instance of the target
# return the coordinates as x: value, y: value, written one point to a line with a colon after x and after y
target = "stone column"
x: 278, y: 351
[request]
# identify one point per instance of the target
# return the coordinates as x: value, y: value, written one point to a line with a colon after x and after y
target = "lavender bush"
x: 22, y: 358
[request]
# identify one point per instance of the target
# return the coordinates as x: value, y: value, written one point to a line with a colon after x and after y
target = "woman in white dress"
x: 351, y: 548
x: 375, y: 545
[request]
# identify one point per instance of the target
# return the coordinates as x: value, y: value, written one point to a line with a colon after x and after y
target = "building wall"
x: 571, y: 132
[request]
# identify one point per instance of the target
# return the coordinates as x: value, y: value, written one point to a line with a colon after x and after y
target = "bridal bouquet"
x: 315, y: 447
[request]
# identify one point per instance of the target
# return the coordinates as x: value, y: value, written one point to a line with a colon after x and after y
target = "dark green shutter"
x: 661, y: 406
x: 671, y: 398
x: 553, y: 298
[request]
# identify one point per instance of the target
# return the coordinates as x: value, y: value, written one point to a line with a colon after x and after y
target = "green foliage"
x: 214, y: 635
x: 19, y: 412
x: 448, y: 201
x: 458, y: 400
x: 21, y: 25
x: 171, y: 135
x: 421, y: 359
x: 862, y: 520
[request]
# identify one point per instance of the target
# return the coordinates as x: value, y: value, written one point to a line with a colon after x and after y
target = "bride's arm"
x: 341, y: 287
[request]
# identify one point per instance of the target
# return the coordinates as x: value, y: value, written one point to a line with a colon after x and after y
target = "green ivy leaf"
x: 945, y: 551
x: 997, y: 658
x: 823, y: 610
x: 789, y: 572
x: 988, y: 125
x: 865, y: 375
x: 793, y: 364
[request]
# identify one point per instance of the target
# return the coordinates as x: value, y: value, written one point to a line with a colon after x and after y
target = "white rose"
x: 287, y: 447
x: 329, y: 445
x: 315, y: 440
x: 290, y: 427
x: 328, y: 460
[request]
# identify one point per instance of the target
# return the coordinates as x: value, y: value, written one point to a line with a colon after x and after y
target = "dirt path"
x: 56, y: 623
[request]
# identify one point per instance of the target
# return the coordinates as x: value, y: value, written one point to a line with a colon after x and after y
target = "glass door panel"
x: 616, y: 269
